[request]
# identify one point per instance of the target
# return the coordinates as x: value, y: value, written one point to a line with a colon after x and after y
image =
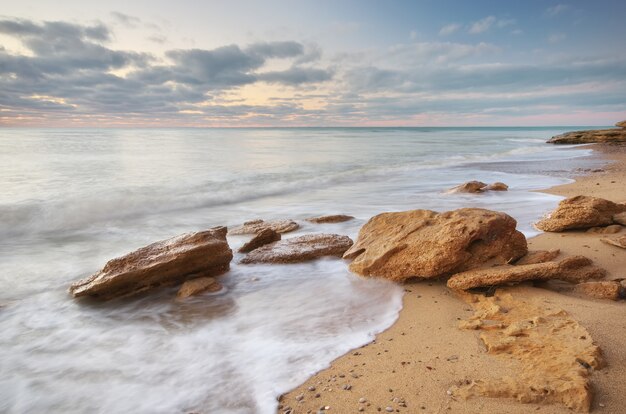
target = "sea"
x: 71, y: 199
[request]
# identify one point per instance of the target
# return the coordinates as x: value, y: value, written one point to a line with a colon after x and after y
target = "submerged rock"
x: 300, y: 249
x: 619, y: 242
x: 427, y: 244
x: 609, y: 289
x: 199, y: 285
x: 573, y: 269
x: 163, y: 263
x: 255, y: 226
x: 478, y: 187
x: 581, y: 212
x: 539, y: 256
x: 262, y: 238
x: 497, y: 186
x: 335, y: 218
x: 592, y: 136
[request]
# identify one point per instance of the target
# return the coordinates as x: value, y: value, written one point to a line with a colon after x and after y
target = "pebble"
x: 361, y: 409
x: 362, y: 400
x: 389, y: 409
x: 311, y: 388
x: 299, y: 397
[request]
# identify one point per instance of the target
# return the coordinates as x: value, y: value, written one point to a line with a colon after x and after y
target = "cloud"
x: 449, y: 29
x: 296, y: 76
x: 125, y: 19
x: 482, y: 25
x: 555, y: 38
x: 556, y: 10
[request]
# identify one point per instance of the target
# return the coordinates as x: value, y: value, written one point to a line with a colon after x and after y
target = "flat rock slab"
x: 609, y: 289
x: 255, y: 226
x: 620, y: 218
x: 619, y: 242
x: 427, y: 244
x: 539, y: 256
x: 199, y: 285
x: 612, y: 229
x: 300, y: 249
x: 335, y: 218
x: 589, y: 137
x: 573, y: 269
x: 262, y: 238
x: 581, y: 212
x: 163, y: 263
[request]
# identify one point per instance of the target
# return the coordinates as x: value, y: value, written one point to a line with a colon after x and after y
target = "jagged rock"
x: 610, y: 289
x: 591, y: 136
x: 163, y: 263
x: 336, y: 218
x: 539, y: 256
x: 468, y: 187
x: 427, y: 244
x: 255, y: 226
x: 198, y: 285
x: 262, y: 238
x: 497, y: 186
x: 621, y: 124
x: 300, y: 249
x: 581, y: 212
x: 619, y: 242
x: 612, y: 229
x: 620, y: 218
x: 573, y: 269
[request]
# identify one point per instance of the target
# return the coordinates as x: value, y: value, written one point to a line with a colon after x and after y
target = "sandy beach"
x: 420, y: 364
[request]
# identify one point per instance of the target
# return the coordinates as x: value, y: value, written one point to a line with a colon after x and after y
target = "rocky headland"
x: 606, y: 136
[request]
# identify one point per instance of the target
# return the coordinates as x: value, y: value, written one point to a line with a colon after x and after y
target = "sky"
x: 160, y: 63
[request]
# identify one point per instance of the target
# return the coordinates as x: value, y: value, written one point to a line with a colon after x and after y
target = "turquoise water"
x: 74, y: 198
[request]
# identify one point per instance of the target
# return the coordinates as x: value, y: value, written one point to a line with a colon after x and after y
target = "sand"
x: 425, y: 363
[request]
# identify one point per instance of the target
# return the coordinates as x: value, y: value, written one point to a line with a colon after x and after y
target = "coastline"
x: 412, y: 366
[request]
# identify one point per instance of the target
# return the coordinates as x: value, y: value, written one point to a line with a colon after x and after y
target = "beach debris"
x: 255, y: 226
x: 539, y: 256
x: 554, y: 353
x: 612, y: 229
x: 606, y: 289
x: 581, y: 212
x: 335, y: 218
x: 619, y: 242
x: 477, y: 187
x: 263, y: 237
x: 574, y: 269
x: 196, y: 286
x: 591, y: 136
x: 427, y: 244
x: 300, y: 249
x: 167, y: 262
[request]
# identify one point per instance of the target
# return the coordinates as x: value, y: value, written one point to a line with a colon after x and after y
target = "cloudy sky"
x: 312, y: 63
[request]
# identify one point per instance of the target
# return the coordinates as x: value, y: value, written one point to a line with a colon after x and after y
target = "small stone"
x: 389, y: 409
x: 299, y: 397
x: 362, y: 400
x: 361, y: 409
x: 311, y: 388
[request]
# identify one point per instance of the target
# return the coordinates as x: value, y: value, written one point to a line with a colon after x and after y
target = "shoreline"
x: 414, y: 364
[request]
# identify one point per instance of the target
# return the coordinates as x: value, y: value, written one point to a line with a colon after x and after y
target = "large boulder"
x: 300, y: 249
x: 427, y: 244
x: 163, y: 263
x: 589, y: 137
x: 573, y: 269
x: 262, y: 238
x: 255, y: 226
x: 581, y: 212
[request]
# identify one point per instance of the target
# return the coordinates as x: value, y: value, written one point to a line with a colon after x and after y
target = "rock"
x: 539, y: 256
x: 198, y: 285
x: 166, y: 262
x: 263, y: 237
x: 336, y: 218
x: 300, y: 249
x: 497, y: 186
x: 255, y: 226
x: 621, y: 124
x: 620, y: 218
x: 619, y: 242
x: 581, y: 212
x: 427, y: 244
x: 573, y: 269
x: 611, y: 289
x: 612, y: 229
x: 468, y: 187
x: 588, y: 137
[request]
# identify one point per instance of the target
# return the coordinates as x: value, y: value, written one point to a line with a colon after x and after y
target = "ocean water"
x: 73, y: 199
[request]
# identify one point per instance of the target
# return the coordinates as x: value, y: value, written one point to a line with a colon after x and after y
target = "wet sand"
x: 420, y: 364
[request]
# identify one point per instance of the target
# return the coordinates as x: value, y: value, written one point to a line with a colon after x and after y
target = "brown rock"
x: 588, y: 137
x: 497, y: 186
x: 255, y: 226
x: 610, y: 289
x: 581, y: 212
x: 198, y: 285
x: 468, y: 187
x: 300, y: 249
x: 612, y: 229
x: 573, y: 269
x: 336, y: 218
x: 621, y: 124
x: 427, y: 244
x: 262, y: 238
x: 539, y: 256
x: 619, y: 242
x: 620, y: 218
x: 166, y: 262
